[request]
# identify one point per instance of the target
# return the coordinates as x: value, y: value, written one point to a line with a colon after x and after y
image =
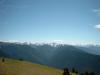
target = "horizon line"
x: 55, y: 42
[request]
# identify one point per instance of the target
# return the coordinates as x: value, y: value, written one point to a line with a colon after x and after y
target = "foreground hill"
x: 15, y: 67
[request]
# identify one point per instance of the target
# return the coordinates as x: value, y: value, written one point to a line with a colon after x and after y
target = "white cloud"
x: 97, y: 26
x: 97, y: 11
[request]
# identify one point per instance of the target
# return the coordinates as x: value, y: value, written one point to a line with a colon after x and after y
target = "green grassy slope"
x: 15, y: 67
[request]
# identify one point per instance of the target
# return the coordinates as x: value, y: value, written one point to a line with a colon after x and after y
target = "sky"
x: 50, y: 20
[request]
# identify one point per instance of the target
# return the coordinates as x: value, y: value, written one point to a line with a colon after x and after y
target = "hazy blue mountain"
x: 71, y: 56
x: 20, y: 51
x: 3, y: 54
x: 59, y: 56
x: 93, y: 49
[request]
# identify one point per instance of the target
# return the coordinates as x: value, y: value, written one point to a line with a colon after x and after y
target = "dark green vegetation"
x: 66, y: 72
x: 75, y: 72
x: 58, y: 56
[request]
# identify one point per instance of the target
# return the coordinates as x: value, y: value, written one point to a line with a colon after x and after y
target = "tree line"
x: 67, y: 72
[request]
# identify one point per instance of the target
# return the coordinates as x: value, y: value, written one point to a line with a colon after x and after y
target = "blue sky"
x: 48, y: 20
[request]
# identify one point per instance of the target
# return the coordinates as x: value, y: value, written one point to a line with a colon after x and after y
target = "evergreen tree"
x: 3, y: 60
x: 21, y: 59
x: 82, y: 74
x: 66, y: 72
x: 92, y: 73
x: 86, y: 73
x: 76, y: 71
x: 73, y: 70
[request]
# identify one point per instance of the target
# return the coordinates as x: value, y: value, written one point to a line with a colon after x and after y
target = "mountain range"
x: 83, y: 58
